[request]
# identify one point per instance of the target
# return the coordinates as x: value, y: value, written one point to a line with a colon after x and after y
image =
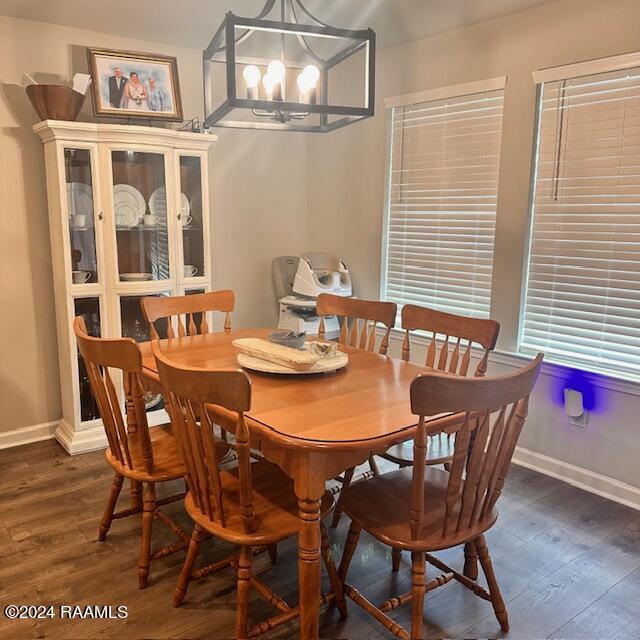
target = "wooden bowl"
x: 55, y: 101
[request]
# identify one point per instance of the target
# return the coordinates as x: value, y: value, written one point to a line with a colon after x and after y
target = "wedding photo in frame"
x: 129, y: 84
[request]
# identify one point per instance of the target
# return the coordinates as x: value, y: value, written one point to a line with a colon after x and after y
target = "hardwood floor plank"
x: 568, y: 563
x: 555, y: 600
x: 615, y: 614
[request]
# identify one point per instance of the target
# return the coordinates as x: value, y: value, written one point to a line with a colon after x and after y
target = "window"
x: 442, y: 193
x: 582, y: 300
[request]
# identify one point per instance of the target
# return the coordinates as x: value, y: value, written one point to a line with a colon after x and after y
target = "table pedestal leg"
x: 309, y: 487
x: 309, y: 568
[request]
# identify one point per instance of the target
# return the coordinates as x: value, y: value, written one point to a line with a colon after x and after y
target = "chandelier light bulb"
x: 307, y: 81
x: 272, y: 87
x: 312, y: 74
x: 277, y: 70
x: 303, y: 83
x: 268, y: 81
x: 251, y: 75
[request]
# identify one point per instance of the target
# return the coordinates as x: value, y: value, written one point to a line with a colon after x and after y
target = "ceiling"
x: 191, y: 23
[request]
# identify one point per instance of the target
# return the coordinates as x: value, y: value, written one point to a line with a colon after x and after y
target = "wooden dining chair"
x: 145, y: 456
x: 450, y: 341
x: 251, y: 505
x: 424, y: 509
x: 359, y: 321
x: 187, y: 315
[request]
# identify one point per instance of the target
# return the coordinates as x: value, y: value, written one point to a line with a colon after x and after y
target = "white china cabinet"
x: 129, y: 217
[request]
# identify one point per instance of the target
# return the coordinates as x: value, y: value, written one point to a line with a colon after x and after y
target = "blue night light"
x: 578, y: 381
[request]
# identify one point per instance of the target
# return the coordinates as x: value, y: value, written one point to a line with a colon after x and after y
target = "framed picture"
x: 134, y: 85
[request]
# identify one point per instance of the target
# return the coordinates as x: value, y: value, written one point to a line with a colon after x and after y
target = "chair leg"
x: 470, y: 561
x: 337, y: 512
x: 349, y: 548
x: 496, y: 597
x: 273, y: 554
x: 396, y: 557
x: 334, y: 578
x: 243, y: 586
x: 418, y: 570
x: 374, y: 465
x: 136, y: 495
x: 107, y: 517
x: 148, y: 512
x: 185, y: 575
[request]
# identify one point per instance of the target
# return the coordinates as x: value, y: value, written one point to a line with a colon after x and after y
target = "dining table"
x: 313, y: 426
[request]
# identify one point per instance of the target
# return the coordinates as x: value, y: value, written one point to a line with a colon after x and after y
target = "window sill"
x: 549, y: 367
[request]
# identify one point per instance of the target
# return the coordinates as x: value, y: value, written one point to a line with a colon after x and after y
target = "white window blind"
x: 582, y: 302
x: 442, y: 193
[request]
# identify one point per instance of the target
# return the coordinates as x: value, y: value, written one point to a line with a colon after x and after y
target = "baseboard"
x: 582, y: 478
x: 81, y: 441
x: 27, y: 435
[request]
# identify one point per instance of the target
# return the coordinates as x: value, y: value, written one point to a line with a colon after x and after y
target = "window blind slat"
x: 582, y: 302
x: 441, y: 212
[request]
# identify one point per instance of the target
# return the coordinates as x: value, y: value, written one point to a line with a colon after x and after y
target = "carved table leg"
x: 309, y: 490
x: 309, y: 568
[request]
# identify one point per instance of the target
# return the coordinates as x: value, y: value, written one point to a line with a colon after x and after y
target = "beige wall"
x: 258, y: 210
x: 347, y: 169
x: 347, y: 174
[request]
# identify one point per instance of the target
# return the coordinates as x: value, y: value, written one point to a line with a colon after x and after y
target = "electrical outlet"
x: 574, y: 407
x: 579, y: 421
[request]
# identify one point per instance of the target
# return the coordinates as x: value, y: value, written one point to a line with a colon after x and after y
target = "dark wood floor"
x: 568, y: 563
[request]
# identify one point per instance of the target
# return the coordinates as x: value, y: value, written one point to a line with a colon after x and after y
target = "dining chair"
x: 193, y: 308
x: 146, y: 456
x: 189, y: 315
x: 359, y: 321
x: 423, y: 509
x: 252, y: 505
x: 451, y: 339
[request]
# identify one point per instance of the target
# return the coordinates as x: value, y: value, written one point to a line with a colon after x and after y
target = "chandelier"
x: 296, y: 73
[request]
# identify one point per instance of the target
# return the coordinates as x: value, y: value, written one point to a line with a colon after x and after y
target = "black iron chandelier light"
x: 287, y: 74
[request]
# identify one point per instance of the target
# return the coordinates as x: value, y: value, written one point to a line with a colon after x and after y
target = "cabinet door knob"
x: 100, y: 216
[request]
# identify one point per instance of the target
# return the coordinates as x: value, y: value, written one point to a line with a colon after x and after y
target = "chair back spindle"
x: 100, y: 356
x: 188, y: 392
x: 457, y: 334
x: 181, y: 311
x: 359, y: 320
x: 493, y: 412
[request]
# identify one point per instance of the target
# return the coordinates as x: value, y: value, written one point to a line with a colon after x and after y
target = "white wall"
x: 346, y: 173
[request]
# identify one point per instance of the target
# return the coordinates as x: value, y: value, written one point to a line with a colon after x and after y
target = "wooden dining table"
x: 313, y: 427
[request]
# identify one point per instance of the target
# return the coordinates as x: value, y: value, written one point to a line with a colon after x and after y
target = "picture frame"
x: 129, y: 84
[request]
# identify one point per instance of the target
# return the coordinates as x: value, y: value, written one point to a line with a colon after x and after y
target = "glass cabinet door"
x: 140, y: 210
x: 82, y: 233
x: 190, y: 216
x: 89, y: 309
x: 134, y: 326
